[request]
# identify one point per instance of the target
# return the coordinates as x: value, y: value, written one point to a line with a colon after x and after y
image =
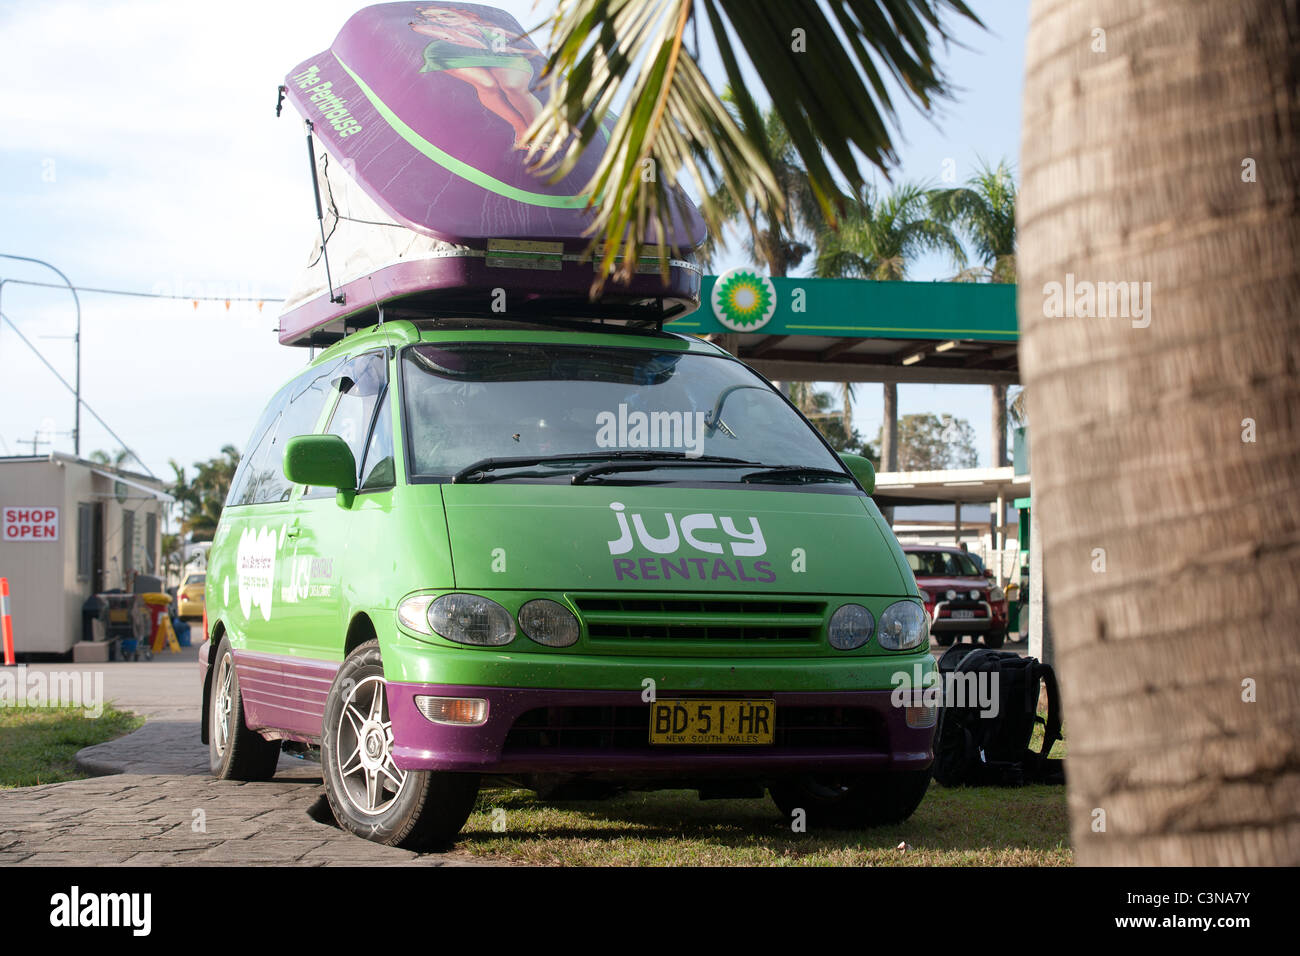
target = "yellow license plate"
x: 712, y: 721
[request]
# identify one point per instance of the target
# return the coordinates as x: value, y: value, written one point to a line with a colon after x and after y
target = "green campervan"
x: 575, y: 559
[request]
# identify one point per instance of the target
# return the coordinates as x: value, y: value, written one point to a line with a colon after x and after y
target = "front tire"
x: 944, y: 640
x: 994, y: 638
x: 234, y: 751
x: 369, y: 794
x: 852, y: 801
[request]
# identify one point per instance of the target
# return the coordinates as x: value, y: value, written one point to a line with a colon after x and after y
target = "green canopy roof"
x: 860, y: 330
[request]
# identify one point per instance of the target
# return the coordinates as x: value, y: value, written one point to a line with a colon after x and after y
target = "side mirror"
x: 988, y: 573
x: 861, y: 469
x: 324, y: 461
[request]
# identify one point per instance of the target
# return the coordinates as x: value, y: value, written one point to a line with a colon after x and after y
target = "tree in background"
x: 173, y: 548
x: 202, y: 498
x: 117, y: 459
x: 877, y: 239
x: 878, y: 236
x: 1016, y: 408
x: 781, y: 237
x: 983, y: 212
x: 819, y: 407
x: 934, y: 442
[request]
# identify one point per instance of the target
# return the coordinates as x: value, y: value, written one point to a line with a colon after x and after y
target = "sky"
x: 141, y: 151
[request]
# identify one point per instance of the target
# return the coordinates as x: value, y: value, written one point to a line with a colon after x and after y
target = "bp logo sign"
x: 743, y: 300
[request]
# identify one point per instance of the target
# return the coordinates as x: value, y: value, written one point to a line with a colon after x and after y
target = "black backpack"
x: 979, y: 750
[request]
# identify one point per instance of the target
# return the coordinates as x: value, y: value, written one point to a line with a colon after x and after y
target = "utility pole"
x: 76, y: 427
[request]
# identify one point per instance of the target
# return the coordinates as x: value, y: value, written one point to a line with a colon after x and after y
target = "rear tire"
x: 234, y: 751
x: 853, y: 800
x: 369, y: 794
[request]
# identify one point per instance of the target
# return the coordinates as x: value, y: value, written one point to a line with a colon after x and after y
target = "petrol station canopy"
x: 957, y: 487
x: 858, y: 330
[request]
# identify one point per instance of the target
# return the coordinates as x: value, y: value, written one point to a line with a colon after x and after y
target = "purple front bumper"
x: 606, y: 726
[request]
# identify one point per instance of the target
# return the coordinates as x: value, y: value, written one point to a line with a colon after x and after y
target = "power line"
x: 147, y: 295
x: 80, y: 400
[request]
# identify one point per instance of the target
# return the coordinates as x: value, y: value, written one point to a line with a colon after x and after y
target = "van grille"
x: 705, y: 620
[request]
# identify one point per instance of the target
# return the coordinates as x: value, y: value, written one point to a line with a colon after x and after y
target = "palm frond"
x: 829, y: 95
x: 984, y: 211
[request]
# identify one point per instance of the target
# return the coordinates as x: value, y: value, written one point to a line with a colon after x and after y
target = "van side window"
x: 255, y: 450
x: 379, y: 469
x: 358, y: 386
x: 296, y: 410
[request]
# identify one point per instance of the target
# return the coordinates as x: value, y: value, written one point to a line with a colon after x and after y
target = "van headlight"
x: 904, y: 625
x: 548, y: 623
x: 850, y: 627
x: 463, y: 618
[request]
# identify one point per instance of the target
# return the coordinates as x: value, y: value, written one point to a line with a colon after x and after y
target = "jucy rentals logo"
x: 743, y: 543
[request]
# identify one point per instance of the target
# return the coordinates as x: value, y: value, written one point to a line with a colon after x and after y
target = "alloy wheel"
x: 364, y: 751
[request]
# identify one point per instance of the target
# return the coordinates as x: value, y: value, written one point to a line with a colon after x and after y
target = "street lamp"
x: 76, y: 427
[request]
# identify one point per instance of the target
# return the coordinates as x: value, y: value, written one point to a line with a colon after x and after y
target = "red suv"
x: 958, y: 595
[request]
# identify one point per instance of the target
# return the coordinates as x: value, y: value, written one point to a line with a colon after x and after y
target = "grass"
x: 964, y: 826
x: 38, y: 744
x: 1036, y: 740
x: 976, y: 826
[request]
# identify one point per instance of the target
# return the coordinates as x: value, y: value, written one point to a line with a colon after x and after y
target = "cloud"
x: 141, y: 151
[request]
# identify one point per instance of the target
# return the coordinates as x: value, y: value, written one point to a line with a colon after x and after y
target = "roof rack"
x: 543, y: 312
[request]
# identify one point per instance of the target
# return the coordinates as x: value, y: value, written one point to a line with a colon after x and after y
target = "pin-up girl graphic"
x: 476, y: 51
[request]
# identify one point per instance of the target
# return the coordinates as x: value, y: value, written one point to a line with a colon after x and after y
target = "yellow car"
x: 189, y: 598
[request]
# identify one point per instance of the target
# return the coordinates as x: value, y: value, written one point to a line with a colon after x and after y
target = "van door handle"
x: 293, y: 532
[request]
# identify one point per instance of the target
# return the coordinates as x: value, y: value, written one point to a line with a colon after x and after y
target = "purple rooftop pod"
x: 417, y: 113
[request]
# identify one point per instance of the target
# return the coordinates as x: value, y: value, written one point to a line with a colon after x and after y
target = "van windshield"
x: 943, y: 564
x: 468, y: 403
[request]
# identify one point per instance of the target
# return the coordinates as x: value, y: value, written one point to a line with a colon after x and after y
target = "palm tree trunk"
x: 889, y: 438
x: 1171, y: 536
x: 889, y: 429
x: 999, y: 425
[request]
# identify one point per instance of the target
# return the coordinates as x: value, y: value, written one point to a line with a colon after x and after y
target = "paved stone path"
x: 154, y: 803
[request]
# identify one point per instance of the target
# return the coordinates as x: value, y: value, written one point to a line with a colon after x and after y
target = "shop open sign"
x: 30, y: 524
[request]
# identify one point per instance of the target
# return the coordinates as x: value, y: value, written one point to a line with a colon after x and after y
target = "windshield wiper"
x: 664, y: 460
x: 799, y: 473
x: 484, y: 465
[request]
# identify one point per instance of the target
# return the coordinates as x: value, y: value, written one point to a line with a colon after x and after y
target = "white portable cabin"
x: 72, y: 528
